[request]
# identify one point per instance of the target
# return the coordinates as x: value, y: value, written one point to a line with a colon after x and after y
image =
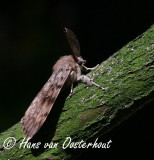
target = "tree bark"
x: 90, y: 112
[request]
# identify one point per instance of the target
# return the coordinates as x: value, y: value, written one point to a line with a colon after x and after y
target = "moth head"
x: 80, y: 60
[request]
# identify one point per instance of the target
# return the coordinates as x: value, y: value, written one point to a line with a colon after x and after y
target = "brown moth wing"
x: 73, y: 42
x: 39, y: 109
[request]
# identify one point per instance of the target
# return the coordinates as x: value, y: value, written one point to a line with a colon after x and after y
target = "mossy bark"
x: 90, y: 112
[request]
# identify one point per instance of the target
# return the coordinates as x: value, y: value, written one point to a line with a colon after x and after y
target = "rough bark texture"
x: 90, y: 112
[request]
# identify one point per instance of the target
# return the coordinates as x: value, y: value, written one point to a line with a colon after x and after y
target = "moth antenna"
x: 73, y: 42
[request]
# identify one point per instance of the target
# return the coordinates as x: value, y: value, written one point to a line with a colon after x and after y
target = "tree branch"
x: 90, y: 112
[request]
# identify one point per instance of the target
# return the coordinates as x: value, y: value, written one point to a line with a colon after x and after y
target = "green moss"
x: 129, y: 75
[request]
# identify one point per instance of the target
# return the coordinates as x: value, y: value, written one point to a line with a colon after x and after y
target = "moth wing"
x: 73, y: 42
x: 40, y: 107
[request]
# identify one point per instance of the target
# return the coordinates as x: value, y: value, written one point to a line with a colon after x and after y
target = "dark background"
x: 32, y: 39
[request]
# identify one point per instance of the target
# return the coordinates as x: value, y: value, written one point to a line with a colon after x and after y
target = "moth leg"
x: 89, y: 69
x: 71, y: 91
x: 73, y: 77
x: 89, y: 82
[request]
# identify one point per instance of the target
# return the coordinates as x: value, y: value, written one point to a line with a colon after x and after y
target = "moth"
x: 67, y: 70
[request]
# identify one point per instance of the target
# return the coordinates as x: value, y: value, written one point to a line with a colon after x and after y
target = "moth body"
x: 66, y: 71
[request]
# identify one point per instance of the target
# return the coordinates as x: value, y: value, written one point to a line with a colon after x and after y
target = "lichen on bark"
x: 90, y: 112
